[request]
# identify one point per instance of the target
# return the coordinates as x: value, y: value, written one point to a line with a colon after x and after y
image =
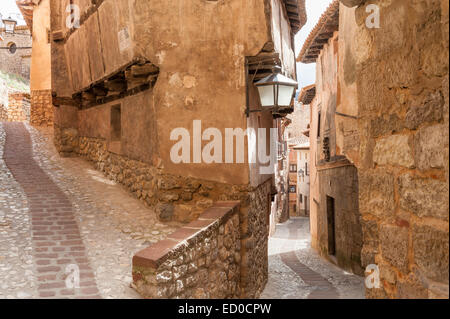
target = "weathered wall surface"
x: 41, y: 61
x: 402, y: 107
x: 314, y: 176
x: 41, y: 108
x: 336, y: 230
x: 341, y: 184
x: 200, y: 260
x: 40, y: 82
x: 19, y: 61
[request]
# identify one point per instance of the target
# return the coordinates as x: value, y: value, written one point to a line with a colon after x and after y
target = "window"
x: 301, y: 198
x: 116, y: 123
x: 318, y: 125
x: 12, y: 48
x: 293, y: 168
x: 331, y: 226
x: 306, y: 169
x: 292, y: 189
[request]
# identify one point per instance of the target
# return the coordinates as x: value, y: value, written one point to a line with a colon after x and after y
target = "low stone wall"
x: 176, y: 198
x: 200, y: 260
x: 41, y: 108
x: 18, y: 109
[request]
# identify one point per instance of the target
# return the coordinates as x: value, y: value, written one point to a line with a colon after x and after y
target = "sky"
x: 9, y: 8
x: 306, y: 72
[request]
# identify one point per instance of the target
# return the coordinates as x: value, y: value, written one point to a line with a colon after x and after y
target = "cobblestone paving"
x: 17, y: 272
x: 296, y: 271
x: 112, y: 224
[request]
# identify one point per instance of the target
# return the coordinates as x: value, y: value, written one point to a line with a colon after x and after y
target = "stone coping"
x: 212, y: 218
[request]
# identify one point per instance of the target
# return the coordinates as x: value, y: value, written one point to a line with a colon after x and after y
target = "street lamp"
x: 10, y: 25
x: 276, y: 91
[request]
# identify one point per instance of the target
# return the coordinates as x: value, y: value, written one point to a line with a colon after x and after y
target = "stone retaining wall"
x: 18, y: 109
x: 183, y: 199
x: 200, y: 260
x: 41, y: 108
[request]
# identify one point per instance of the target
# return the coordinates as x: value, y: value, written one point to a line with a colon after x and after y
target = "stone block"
x: 165, y: 212
x: 431, y: 144
x: 394, y: 150
x: 394, y: 245
x: 424, y: 197
x: 411, y: 288
x: 425, y: 110
x: 376, y: 193
x: 431, y: 252
x: 385, y: 125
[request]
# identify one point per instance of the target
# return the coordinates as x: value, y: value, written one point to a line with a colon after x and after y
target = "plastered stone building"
x: 37, y: 16
x: 298, y: 147
x: 335, y: 220
x: 389, y: 118
x: 134, y: 71
x: 15, y: 51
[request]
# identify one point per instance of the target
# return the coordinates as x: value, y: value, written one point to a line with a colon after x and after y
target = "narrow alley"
x: 224, y: 150
x: 37, y: 240
x: 296, y: 271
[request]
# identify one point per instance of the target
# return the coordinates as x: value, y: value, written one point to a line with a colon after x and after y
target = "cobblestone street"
x: 296, y: 271
x: 59, y: 211
x: 51, y: 215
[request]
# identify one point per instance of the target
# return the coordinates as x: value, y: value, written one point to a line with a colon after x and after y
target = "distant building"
x: 302, y: 199
x: 335, y: 219
x: 298, y: 146
x: 15, y: 48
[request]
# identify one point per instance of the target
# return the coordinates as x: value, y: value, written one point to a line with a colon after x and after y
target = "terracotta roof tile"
x: 297, y: 13
x: 26, y: 8
x: 319, y: 36
x: 307, y: 94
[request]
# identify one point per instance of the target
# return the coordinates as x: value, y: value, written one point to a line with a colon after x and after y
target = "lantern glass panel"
x: 285, y: 94
x: 266, y: 94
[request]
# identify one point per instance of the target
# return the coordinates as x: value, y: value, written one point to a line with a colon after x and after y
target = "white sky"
x: 314, y: 9
x: 9, y: 8
x: 306, y: 72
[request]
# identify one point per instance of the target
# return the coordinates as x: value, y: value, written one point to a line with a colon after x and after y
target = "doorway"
x: 331, y: 226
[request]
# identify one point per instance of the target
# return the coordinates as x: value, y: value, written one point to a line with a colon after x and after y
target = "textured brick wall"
x: 41, y: 108
x: 403, y: 159
x: 200, y: 260
x: 18, y: 108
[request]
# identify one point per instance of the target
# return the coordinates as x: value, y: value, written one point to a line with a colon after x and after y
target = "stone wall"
x: 41, y: 108
x: 18, y: 108
x: 401, y: 97
x: 255, y: 224
x: 200, y: 260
